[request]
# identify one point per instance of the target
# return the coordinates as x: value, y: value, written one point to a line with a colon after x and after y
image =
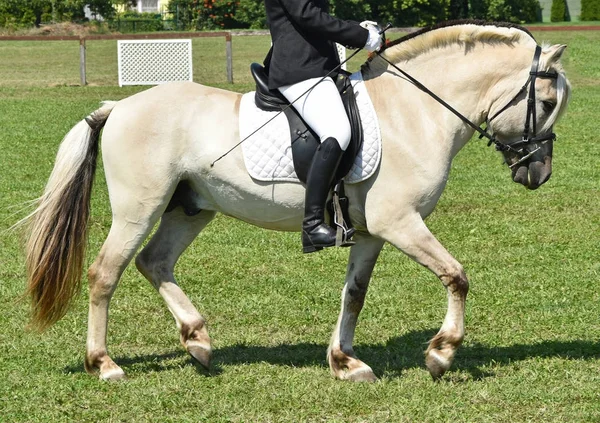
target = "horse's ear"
x: 553, y: 53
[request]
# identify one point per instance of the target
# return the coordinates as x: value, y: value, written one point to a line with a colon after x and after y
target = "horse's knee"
x: 455, y: 279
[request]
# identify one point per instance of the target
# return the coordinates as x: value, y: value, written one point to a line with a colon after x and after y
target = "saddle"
x: 305, y: 142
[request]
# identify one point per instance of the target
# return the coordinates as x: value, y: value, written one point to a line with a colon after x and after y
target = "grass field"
x: 532, y: 351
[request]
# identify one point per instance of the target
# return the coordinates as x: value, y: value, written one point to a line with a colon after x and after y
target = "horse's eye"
x: 548, y: 106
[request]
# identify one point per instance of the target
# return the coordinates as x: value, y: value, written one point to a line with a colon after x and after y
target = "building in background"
x: 145, y: 6
x: 151, y: 6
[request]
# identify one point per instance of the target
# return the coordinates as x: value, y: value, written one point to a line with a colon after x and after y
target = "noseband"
x: 529, y: 136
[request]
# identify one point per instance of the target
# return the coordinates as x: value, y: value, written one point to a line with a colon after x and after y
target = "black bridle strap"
x: 531, y: 109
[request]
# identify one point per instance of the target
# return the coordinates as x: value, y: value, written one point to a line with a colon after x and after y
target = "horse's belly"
x: 276, y: 206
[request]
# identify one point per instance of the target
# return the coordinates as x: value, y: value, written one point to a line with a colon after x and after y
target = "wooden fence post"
x: 229, y: 58
x: 82, y: 61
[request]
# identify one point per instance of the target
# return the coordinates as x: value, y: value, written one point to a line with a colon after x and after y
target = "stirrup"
x: 344, y: 233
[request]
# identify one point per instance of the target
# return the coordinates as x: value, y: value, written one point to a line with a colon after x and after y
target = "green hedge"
x: 559, y: 11
x: 590, y: 10
x: 516, y: 11
x: 216, y: 14
x: 225, y: 14
x: 137, y: 22
x: 27, y: 13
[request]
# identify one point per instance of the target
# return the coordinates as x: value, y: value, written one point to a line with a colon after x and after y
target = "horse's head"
x: 525, y: 123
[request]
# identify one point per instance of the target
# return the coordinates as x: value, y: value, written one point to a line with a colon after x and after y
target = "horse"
x: 168, y: 137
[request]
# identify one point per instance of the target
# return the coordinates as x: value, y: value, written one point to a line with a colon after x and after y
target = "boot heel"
x: 311, y: 249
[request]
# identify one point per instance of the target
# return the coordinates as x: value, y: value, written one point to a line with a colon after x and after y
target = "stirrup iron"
x: 344, y: 232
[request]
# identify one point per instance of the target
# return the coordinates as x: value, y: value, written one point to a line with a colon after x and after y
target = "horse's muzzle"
x: 533, y: 173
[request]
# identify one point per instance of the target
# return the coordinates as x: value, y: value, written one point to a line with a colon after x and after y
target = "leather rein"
x: 530, y: 131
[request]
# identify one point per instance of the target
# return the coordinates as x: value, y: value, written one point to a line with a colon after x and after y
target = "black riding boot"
x: 316, y: 234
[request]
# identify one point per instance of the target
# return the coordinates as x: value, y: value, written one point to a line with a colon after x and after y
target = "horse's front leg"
x: 412, y: 237
x: 340, y: 354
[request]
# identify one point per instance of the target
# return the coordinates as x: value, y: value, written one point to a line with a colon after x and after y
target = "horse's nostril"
x: 520, y: 175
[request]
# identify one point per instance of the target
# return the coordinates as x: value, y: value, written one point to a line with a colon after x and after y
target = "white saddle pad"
x: 268, y: 153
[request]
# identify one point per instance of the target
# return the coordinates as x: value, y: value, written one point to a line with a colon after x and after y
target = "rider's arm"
x: 314, y: 20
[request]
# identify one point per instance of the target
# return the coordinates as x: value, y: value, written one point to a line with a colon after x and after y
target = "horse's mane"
x: 466, y: 32
x: 457, y: 23
x: 451, y: 32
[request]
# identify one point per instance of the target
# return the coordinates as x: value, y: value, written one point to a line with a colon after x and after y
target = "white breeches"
x: 321, y: 108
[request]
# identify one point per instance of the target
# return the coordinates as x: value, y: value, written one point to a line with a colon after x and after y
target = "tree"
x: 23, y: 13
x: 517, y: 11
x: 559, y: 11
x: 590, y: 10
x: 104, y: 8
x: 356, y: 10
x: 251, y: 14
x: 459, y: 9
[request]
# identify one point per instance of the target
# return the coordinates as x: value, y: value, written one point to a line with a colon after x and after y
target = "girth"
x: 304, y: 141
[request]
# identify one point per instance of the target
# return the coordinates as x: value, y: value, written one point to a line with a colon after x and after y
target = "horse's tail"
x: 57, y: 228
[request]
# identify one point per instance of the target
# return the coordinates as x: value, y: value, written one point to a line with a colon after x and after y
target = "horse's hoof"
x: 361, y: 375
x: 436, y: 364
x: 201, y: 353
x: 113, y: 375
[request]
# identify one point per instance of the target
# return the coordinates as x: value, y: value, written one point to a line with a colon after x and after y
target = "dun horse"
x: 168, y: 135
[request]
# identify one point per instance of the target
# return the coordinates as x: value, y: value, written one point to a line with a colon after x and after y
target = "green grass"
x: 532, y: 351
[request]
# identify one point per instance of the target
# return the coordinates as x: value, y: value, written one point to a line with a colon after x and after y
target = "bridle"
x: 530, y: 136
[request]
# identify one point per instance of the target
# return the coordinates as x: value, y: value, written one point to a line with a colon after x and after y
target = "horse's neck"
x: 469, y: 80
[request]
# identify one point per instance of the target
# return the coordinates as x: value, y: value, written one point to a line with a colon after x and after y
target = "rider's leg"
x: 322, y: 109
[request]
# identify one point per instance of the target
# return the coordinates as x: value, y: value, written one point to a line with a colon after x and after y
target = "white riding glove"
x: 367, y: 24
x: 375, y: 40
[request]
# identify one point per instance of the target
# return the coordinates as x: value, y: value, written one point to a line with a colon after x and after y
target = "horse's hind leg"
x: 128, y: 230
x: 157, y: 261
x: 411, y: 236
x: 342, y: 361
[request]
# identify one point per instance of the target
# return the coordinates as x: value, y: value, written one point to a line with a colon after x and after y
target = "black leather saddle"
x: 304, y: 141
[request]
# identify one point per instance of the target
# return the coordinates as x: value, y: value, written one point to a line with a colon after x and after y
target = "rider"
x: 303, y: 52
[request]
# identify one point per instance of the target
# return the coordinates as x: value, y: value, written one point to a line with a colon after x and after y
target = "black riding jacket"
x: 303, y: 36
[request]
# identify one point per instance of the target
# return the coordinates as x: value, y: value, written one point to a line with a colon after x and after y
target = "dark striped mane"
x: 446, y: 33
x: 447, y: 24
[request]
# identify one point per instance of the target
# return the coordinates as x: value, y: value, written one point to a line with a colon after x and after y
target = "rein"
x: 534, y: 73
x: 515, y: 147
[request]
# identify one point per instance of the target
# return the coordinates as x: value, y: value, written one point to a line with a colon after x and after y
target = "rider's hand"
x: 375, y: 40
x: 367, y: 24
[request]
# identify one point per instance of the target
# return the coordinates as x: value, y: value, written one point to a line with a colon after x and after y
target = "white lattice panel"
x: 152, y: 62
